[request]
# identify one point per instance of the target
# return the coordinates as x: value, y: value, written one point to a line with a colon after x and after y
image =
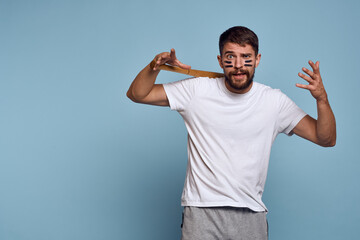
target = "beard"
x: 245, y: 85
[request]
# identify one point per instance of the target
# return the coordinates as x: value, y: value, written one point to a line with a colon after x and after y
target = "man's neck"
x: 237, y: 91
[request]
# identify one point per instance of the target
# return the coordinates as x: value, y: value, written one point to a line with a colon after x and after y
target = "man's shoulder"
x: 266, y: 91
x: 266, y: 88
x: 262, y: 86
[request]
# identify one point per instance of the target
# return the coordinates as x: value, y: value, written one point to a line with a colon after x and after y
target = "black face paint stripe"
x: 227, y: 61
x: 248, y: 61
x: 228, y: 66
x: 248, y: 65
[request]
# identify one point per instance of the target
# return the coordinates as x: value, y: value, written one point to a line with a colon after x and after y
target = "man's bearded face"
x: 239, y: 63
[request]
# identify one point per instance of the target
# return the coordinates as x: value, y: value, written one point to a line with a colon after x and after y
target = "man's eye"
x: 246, y: 56
x: 230, y: 56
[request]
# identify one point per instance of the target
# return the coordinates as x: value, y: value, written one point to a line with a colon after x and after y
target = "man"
x: 232, y: 123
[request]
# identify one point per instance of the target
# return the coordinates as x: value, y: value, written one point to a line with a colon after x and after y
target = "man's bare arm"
x: 323, y: 130
x: 144, y: 90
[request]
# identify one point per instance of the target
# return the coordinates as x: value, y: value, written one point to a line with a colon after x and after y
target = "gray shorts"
x: 223, y: 223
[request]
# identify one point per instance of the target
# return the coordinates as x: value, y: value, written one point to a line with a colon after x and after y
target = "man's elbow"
x: 131, y: 96
x: 332, y: 143
x: 329, y: 143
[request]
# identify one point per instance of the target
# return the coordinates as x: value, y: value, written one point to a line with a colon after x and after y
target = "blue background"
x: 78, y: 160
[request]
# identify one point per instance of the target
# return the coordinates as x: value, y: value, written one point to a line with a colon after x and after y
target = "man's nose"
x: 238, y: 63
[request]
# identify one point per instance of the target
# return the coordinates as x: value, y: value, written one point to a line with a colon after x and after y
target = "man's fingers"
x: 182, y: 65
x: 169, y: 58
x: 315, y: 66
x: 160, y: 59
x: 172, y: 54
x: 157, y: 62
x: 312, y: 65
x: 308, y: 72
x: 176, y: 62
x: 306, y: 78
x: 304, y: 86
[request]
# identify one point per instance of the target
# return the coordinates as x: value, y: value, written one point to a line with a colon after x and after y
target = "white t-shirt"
x: 229, y: 139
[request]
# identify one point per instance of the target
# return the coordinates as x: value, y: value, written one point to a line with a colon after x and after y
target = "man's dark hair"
x: 240, y: 35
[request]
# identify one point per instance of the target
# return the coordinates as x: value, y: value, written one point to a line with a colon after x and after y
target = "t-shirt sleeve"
x: 180, y: 93
x: 289, y: 115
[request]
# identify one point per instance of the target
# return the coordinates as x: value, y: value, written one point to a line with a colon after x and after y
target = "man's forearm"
x: 326, y: 125
x: 143, y: 83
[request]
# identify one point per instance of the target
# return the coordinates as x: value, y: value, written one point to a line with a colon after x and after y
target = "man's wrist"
x: 152, y: 64
x: 323, y: 100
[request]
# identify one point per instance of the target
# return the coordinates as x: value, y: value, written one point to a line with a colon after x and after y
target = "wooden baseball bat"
x: 191, y: 72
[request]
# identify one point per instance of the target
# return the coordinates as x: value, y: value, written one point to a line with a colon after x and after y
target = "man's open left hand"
x: 315, y: 85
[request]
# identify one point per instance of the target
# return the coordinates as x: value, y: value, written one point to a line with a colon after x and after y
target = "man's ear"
x: 257, y: 59
x: 220, y: 62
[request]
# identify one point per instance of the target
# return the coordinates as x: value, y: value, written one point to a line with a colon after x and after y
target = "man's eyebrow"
x: 242, y: 54
x: 228, y: 52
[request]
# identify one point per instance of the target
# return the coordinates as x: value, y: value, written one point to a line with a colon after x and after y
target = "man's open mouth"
x: 239, y: 74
